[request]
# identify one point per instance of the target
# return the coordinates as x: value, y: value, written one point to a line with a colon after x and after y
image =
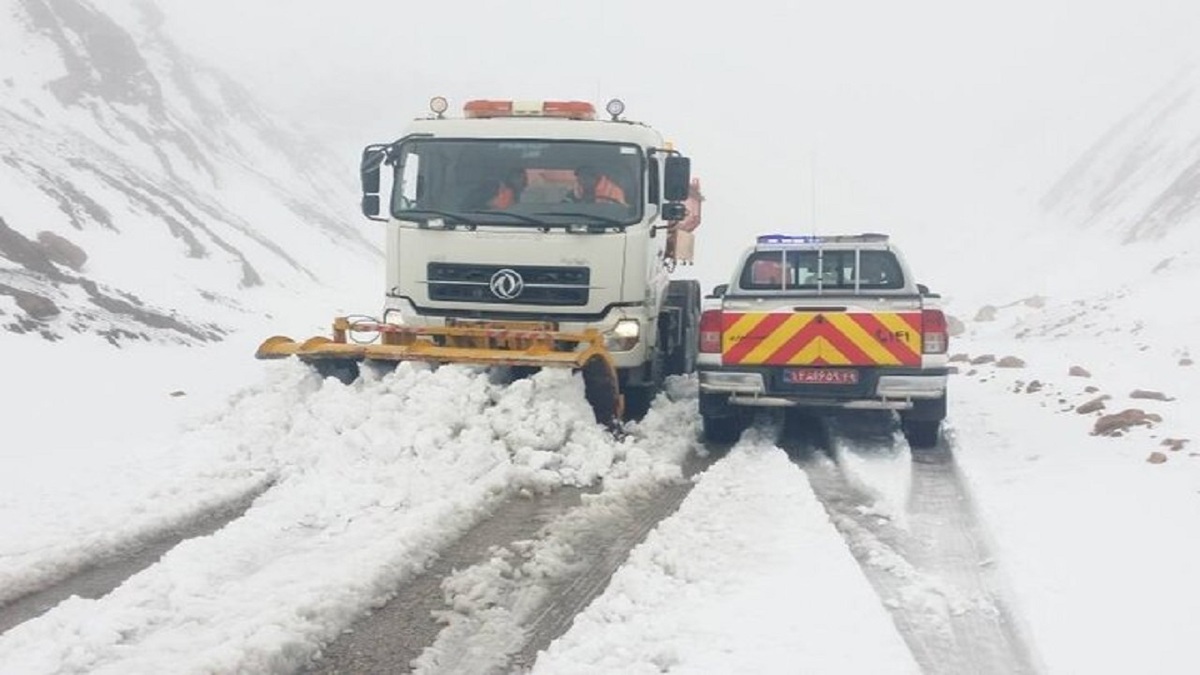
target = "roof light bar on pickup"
x: 795, y: 239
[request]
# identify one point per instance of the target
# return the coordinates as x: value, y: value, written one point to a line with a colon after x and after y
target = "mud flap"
x: 602, y: 390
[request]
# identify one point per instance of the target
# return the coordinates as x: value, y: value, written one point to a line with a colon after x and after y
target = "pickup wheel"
x: 724, y: 429
x: 922, y: 424
x: 922, y: 434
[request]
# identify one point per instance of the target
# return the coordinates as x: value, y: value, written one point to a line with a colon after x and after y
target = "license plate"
x: 821, y: 376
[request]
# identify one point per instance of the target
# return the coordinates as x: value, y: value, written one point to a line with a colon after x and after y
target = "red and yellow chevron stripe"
x: 821, y: 338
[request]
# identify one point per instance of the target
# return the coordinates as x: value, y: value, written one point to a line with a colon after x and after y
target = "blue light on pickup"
x: 785, y: 239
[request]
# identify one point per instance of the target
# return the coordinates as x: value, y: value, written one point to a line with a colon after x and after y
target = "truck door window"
x: 408, y: 187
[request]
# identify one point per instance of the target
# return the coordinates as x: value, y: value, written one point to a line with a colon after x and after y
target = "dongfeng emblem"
x: 506, y: 284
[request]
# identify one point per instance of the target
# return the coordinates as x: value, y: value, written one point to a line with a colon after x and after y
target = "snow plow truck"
x: 528, y: 235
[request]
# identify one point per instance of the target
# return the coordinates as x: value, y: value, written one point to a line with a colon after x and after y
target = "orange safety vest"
x: 505, y: 197
x: 606, y: 190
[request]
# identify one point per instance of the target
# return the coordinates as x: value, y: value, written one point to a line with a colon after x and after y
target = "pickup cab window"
x: 846, y: 270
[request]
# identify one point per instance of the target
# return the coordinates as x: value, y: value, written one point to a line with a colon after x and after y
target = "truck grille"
x: 531, y: 285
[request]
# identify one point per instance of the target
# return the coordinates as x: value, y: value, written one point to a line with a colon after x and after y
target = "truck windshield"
x: 517, y: 182
x: 844, y: 270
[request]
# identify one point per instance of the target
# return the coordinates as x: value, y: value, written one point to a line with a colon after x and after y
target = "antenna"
x: 812, y: 187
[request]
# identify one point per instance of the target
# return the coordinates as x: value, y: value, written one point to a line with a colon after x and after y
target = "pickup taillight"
x: 934, y: 337
x: 710, y: 332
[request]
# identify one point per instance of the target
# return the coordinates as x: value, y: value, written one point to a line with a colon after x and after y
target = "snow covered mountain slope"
x: 1141, y: 180
x: 146, y: 196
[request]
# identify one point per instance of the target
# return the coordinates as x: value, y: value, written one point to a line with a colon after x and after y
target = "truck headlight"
x: 624, y: 336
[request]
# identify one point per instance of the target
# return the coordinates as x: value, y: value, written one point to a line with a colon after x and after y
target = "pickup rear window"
x: 834, y: 270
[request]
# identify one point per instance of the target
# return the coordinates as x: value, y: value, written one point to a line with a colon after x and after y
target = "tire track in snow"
x: 935, y: 574
x: 498, y: 614
x: 103, y: 575
x: 393, y: 635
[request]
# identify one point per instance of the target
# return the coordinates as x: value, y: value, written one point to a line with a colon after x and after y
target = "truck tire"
x: 638, y: 399
x: 684, y: 294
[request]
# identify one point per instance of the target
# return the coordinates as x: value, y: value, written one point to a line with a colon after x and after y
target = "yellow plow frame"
x: 528, y: 344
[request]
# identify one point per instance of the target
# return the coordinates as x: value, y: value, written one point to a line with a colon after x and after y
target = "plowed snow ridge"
x: 371, y: 481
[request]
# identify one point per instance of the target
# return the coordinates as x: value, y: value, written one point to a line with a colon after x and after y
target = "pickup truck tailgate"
x: 829, y: 334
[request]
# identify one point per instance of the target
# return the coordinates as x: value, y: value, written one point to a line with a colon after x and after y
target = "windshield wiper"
x: 515, y: 216
x: 426, y: 215
x: 591, y: 216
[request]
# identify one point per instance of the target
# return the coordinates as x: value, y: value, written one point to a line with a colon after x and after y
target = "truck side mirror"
x: 373, y: 157
x: 370, y: 206
x: 673, y: 212
x: 719, y: 291
x: 677, y: 178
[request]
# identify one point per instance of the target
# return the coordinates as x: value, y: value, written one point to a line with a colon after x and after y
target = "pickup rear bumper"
x: 875, y: 388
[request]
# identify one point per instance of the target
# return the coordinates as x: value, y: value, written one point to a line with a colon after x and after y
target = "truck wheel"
x: 638, y: 400
x: 724, y: 429
x: 922, y: 434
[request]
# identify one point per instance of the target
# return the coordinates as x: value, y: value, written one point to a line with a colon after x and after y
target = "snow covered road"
x: 599, y: 555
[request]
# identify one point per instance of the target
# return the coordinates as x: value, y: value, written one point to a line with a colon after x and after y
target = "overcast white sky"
x: 910, y: 112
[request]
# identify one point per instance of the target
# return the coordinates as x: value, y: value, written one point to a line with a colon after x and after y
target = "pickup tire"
x: 723, y: 429
x: 922, y: 434
x: 922, y: 424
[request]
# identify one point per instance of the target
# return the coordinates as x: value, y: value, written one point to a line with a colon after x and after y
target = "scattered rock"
x: 1093, y: 405
x: 1033, y: 387
x: 972, y: 372
x: 986, y: 313
x: 1035, y: 301
x: 1118, y: 423
x: 951, y: 370
x: 1175, y: 444
x: 1091, y: 389
x: 1010, y: 362
x: 959, y: 357
x: 39, y: 308
x: 177, y: 393
x: 1156, y: 457
x: 1152, y: 395
x: 62, y: 251
x: 983, y: 358
x: 1078, y: 371
x: 1185, y: 361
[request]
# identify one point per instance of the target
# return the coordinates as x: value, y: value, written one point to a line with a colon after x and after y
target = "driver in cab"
x: 592, y: 187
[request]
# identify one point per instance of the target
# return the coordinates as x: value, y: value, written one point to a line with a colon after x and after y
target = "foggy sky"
x: 901, y: 114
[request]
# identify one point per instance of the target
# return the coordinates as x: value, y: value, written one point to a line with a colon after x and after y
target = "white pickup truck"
x: 824, y: 322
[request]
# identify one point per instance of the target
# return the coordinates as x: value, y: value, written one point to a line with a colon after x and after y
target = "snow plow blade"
x: 527, y: 345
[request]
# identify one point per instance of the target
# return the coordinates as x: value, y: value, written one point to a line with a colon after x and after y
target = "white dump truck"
x: 529, y: 234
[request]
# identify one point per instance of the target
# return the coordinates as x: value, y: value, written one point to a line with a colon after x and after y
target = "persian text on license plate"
x: 821, y: 376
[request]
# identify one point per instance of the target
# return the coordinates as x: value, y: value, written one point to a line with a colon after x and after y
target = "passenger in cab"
x: 509, y: 189
x: 591, y: 186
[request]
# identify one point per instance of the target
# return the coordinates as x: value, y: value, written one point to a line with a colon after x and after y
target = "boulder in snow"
x: 1118, y: 423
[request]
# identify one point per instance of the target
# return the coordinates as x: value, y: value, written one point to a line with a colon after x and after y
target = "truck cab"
x: 537, y: 215
x: 823, y: 322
